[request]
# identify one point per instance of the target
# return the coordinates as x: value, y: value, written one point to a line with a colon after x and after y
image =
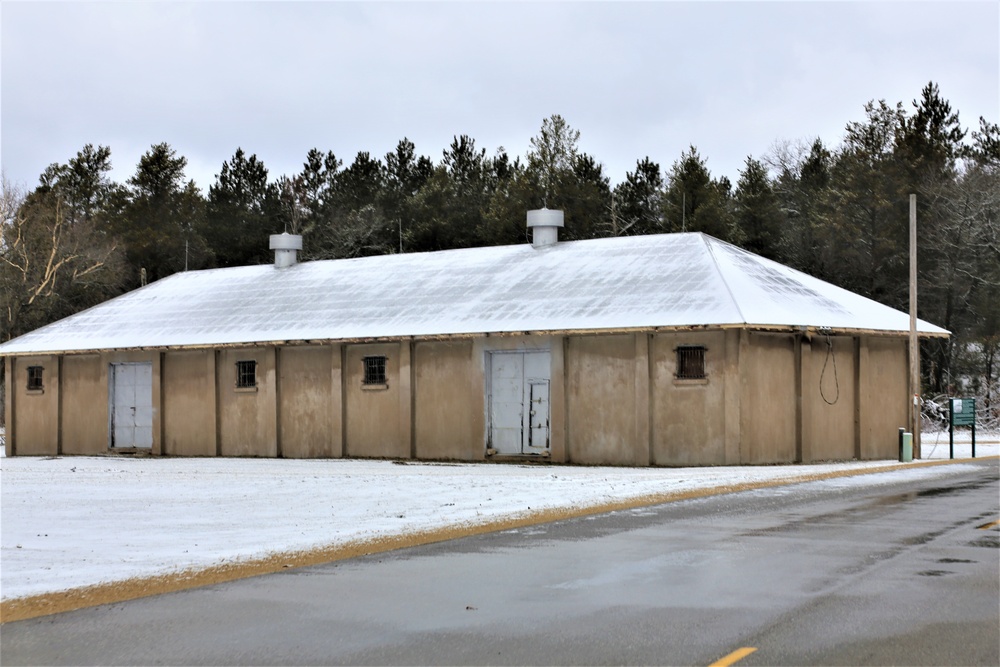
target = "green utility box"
x: 905, y: 446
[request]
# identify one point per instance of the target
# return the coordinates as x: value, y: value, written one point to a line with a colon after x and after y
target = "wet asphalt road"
x: 816, y: 573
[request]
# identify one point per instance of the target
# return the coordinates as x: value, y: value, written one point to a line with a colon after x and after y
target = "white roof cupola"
x: 544, y: 225
x: 285, y: 247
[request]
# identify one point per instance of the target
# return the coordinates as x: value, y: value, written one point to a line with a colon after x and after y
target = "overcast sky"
x: 636, y: 79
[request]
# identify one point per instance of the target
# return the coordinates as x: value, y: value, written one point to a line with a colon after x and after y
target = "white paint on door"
x: 538, y: 416
x: 519, y: 402
x: 131, y: 399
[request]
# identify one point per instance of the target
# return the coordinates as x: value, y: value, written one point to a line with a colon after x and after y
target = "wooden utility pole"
x: 914, y: 341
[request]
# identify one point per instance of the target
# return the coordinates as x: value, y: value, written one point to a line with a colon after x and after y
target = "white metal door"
x: 506, y: 408
x: 519, y: 402
x: 131, y: 398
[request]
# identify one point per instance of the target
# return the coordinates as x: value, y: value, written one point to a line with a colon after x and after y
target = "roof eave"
x: 807, y: 331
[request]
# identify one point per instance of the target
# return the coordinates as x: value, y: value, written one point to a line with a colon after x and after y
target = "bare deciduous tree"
x: 49, y: 266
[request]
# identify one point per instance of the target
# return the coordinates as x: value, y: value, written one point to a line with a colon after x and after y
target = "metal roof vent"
x: 544, y: 225
x: 286, y: 247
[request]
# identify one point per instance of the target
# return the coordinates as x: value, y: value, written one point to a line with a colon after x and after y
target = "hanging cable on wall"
x: 829, y: 355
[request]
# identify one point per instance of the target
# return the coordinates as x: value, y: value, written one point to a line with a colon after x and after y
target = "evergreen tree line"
x: 839, y: 213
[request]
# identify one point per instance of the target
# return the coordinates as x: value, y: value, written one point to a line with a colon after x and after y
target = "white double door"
x: 131, y: 405
x: 519, y: 402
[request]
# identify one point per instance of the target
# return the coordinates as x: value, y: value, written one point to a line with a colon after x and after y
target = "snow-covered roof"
x: 669, y: 280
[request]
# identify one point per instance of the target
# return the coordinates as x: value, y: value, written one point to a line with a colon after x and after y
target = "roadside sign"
x: 961, y: 412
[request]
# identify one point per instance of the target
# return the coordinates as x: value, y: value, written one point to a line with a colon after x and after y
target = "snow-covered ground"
x: 69, y: 522
x: 935, y: 444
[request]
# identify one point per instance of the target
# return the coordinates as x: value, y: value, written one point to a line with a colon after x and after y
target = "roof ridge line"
x: 706, y: 240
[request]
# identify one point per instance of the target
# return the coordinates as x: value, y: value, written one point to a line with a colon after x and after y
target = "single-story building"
x: 674, y: 349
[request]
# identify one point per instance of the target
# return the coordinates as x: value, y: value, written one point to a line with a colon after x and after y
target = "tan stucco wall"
x: 189, y: 418
x: 689, y: 419
x: 601, y: 400
x: 613, y: 400
x: 828, y: 431
x: 309, y: 402
x: 35, y: 413
x: 884, y: 396
x: 768, y: 399
x: 557, y: 402
x: 449, y: 401
x: 374, y: 414
x: 247, y: 417
x: 84, y: 404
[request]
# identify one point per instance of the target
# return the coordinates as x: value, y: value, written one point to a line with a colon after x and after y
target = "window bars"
x: 374, y: 370
x: 690, y: 362
x: 246, y: 374
x: 35, y: 378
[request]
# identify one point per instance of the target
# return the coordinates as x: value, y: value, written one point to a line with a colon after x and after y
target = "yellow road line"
x: 733, y: 657
x: 987, y: 526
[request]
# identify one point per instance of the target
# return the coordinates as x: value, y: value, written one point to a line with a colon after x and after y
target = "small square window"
x: 35, y: 378
x: 246, y: 374
x: 374, y: 370
x: 690, y: 363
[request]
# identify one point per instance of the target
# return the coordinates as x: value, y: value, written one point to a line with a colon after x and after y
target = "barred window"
x: 246, y: 374
x: 35, y: 378
x: 690, y: 362
x: 374, y: 370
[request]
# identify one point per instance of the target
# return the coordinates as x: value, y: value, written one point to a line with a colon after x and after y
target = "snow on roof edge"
x: 267, y: 342
x: 658, y: 265
x: 707, y: 239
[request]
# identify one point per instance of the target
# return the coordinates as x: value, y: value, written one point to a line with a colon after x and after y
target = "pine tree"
x: 360, y: 185
x: 585, y: 193
x: 319, y: 176
x: 354, y: 222
x: 241, y: 212
x: 83, y: 183
x: 930, y: 140
x: 802, y: 192
x: 552, y: 155
x: 693, y: 201
x: 558, y: 176
x: 154, y: 219
x: 756, y: 211
x: 985, y: 148
x: 867, y: 228
x: 638, y: 201
x: 405, y: 175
